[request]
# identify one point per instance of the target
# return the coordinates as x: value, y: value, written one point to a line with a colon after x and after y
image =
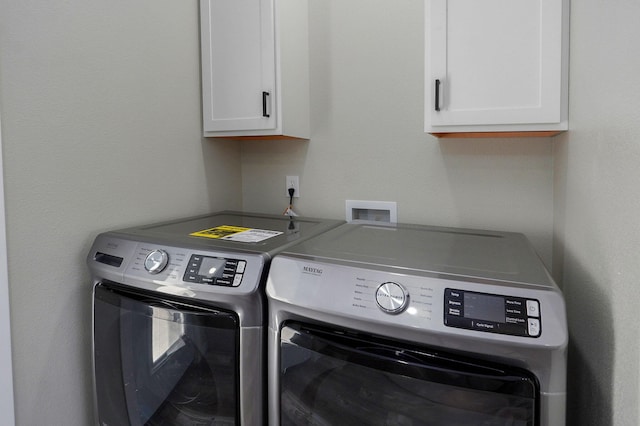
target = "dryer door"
x: 331, y: 377
x: 163, y: 362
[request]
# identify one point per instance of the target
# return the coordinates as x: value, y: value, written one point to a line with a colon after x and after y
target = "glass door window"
x: 163, y: 362
x: 341, y: 378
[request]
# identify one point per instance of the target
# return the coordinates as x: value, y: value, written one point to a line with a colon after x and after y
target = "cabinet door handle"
x: 265, y: 96
x: 437, y: 95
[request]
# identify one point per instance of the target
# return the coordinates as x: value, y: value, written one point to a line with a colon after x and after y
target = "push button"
x: 237, y: 280
x: 517, y: 312
x: 512, y: 302
x: 534, y: 327
x: 455, y: 312
x: 454, y: 302
x: 191, y: 278
x: 453, y: 294
x: 533, y: 308
x: 485, y: 325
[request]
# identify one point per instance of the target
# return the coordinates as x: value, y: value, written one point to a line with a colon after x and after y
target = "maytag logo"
x: 311, y: 270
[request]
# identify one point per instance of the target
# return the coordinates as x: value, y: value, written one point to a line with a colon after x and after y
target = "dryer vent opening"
x: 371, y: 211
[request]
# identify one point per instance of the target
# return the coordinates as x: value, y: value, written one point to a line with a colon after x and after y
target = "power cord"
x: 289, y: 210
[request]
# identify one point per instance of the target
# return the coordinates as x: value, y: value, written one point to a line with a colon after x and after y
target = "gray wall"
x: 575, y: 195
x: 100, y: 105
x: 98, y: 101
x: 368, y: 144
x: 597, y: 211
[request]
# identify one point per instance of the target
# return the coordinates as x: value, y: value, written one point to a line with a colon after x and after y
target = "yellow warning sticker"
x: 237, y: 233
x: 219, y: 231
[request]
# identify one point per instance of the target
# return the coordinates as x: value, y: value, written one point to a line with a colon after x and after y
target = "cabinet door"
x: 238, y: 64
x: 493, y: 62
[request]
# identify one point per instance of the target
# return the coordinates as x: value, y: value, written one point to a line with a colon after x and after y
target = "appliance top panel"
x: 233, y: 231
x: 457, y: 252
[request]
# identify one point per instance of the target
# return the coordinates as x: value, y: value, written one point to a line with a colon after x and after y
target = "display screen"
x: 211, y: 267
x: 484, y: 307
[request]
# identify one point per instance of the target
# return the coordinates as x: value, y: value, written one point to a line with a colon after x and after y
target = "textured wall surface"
x: 101, y: 128
x: 368, y: 142
x: 100, y: 109
x: 597, y: 211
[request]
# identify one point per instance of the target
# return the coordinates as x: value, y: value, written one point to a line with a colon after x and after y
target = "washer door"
x: 161, y: 362
x: 331, y: 377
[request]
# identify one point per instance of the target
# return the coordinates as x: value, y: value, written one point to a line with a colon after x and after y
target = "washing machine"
x: 415, y: 325
x: 179, y: 318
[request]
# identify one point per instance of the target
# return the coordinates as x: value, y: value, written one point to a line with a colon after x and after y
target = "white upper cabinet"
x: 496, y: 66
x: 255, y: 68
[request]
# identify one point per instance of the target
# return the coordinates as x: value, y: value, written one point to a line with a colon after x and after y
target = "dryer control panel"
x: 492, y: 313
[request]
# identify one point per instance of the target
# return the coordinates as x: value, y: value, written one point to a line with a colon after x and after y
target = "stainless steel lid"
x: 265, y: 234
x: 404, y: 248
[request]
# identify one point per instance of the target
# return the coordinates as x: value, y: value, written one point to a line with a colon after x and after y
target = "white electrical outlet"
x: 292, y: 182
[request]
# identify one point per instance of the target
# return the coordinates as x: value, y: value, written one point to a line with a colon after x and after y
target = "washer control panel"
x: 492, y: 313
x: 214, y: 270
x: 398, y: 304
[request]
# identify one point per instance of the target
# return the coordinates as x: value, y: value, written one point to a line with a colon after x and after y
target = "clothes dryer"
x: 179, y: 318
x: 415, y: 325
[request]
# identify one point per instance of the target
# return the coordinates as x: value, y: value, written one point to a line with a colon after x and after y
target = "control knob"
x: 392, y: 298
x: 156, y: 261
